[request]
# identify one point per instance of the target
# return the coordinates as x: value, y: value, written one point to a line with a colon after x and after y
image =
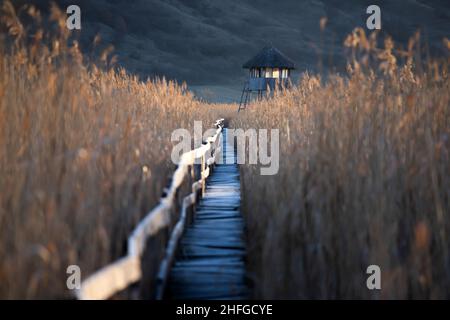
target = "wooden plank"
x: 211, y: 263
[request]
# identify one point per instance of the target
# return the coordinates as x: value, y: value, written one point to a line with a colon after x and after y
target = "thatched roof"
x: 269, y: 57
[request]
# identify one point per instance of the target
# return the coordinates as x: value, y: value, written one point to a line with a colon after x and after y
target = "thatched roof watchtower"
x: 269, y: 69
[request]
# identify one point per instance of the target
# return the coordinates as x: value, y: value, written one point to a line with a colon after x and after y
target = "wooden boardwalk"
x: 211, y: 264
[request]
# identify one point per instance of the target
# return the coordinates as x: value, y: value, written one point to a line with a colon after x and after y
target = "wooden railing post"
x: 203, y: 174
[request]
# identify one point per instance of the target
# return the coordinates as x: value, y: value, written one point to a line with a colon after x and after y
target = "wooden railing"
x: 120, y: 274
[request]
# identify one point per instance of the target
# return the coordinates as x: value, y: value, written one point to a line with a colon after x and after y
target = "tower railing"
x: 261, y: 86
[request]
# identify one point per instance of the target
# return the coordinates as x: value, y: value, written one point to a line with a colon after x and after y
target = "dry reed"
x: 84, y: 153
x: 364, y: 179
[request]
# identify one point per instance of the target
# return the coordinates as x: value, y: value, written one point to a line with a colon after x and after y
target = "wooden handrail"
x: 120, y: 274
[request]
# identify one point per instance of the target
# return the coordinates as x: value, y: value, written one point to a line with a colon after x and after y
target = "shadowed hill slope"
x: 206, y: 42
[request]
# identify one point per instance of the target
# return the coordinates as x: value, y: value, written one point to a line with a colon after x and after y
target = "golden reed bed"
x: 364, y: 179
x: 364, y: 171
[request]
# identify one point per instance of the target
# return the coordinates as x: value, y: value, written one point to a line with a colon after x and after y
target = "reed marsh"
x: 364, y: 179
x: 84, y: 153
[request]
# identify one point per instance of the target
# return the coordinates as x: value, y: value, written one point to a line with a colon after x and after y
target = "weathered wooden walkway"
x: 211, y: 264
